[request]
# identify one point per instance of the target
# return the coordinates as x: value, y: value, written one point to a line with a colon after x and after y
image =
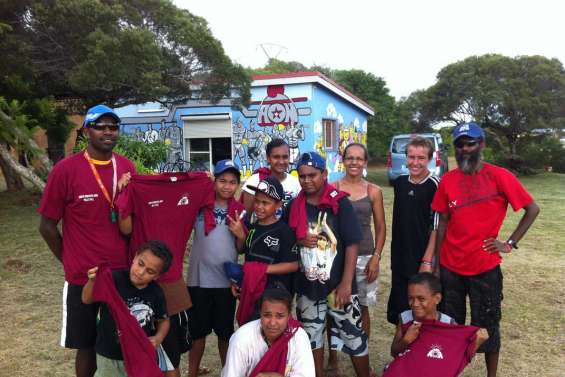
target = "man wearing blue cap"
x: 80, y: 191
x: 472, y: 201
x: 328, y: 232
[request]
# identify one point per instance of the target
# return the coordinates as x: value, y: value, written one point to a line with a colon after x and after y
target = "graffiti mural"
x: 168, y: 132
x: 276, y: 116
x: 354, y: 132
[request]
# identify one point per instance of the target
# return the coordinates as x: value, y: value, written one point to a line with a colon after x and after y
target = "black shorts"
x: 485, y: 299
x: 79, y: 320
x: 213, y: 309
x: 178, y: 339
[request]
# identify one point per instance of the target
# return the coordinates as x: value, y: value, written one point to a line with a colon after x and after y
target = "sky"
x: 406, y: 42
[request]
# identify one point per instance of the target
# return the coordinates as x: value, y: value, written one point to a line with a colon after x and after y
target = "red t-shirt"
x: 89, y: 236
x: 477, y: 205
x: 164, y: 207
x: 440, y: 350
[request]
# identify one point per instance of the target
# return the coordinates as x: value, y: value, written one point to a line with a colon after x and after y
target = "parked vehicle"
x: 396, y: 160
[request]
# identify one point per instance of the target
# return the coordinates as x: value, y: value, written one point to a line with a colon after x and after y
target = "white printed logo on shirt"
x: 435, y: 352
x: 155, y: 203
x: 88, y: 197
x: 183, y: 201
x: 271, y: 241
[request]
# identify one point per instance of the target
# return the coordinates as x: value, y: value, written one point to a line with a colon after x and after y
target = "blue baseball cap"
x: 312, y: 159
x: 225, y: 165
x: 234, y: 272
x: 470, y: 129
x: 98, y: 111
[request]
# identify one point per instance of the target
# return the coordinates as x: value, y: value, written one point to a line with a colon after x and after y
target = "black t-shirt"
x: 271, y: 244
x: 412, y: 222
x: 147, y: 305
x: 347, y: 231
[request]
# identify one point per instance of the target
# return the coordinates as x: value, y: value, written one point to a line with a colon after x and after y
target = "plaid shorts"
x: 485, y: 299
x: 345, y: 325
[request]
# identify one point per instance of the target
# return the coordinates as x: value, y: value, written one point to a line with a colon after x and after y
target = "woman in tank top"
x: 367, y: 200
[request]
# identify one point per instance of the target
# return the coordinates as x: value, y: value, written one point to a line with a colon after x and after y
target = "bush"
x: 146, y: 157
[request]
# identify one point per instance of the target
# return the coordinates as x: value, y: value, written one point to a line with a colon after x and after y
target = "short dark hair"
x: 160, y: 250
x: 275, y: 143
x: 278, y: 294
x: 419, y: 141
x: 427, y: 278
x: 362, y: 146
x: 234, y: 171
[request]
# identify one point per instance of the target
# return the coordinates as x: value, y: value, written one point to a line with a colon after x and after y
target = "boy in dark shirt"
x: 269, y: 240
x: 323, y: 218
x: 145, y: 300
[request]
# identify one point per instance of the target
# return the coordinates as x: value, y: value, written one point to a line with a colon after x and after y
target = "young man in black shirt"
x: 328, y: 234
x: 414, y: 224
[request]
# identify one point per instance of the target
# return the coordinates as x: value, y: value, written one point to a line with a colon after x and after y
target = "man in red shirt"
x: 80, y: 191
x: 472, y: 201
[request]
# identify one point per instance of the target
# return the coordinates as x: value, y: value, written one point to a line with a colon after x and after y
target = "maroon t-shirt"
x: 164, y: 207
x: 89, y: 236
x: 440, y: 350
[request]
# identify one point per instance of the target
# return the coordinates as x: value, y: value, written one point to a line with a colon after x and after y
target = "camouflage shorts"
x: 345, y: 325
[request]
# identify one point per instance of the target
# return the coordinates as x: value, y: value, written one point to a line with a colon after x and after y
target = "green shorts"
x: 106, y: 367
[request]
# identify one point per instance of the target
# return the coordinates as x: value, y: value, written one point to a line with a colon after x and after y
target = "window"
x: 329, y: 134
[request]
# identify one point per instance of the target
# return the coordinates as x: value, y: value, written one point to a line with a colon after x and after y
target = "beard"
x: 468, y: 162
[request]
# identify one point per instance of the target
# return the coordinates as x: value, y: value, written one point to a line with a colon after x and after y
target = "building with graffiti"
x: 308, y: 110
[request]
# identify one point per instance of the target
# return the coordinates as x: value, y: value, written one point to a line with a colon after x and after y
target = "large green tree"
x: 113, y: 51
x: 82, y: 52
x: 509, y: 96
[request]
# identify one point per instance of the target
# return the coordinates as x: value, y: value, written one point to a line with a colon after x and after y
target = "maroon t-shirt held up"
x: 164, y: 207
x: 89, y: 236
x: 440, y: 350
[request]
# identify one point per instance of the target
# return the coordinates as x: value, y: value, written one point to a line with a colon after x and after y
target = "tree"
x: 509, y: 96
x: 15, y: 136
x: 116, y: 52
x: 113, y: 51
x: 373, y: 90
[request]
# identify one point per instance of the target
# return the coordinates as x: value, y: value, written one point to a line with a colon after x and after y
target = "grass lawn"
x: 533, y: 331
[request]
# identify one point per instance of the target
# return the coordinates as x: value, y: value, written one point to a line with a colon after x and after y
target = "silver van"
x: 396, y: 159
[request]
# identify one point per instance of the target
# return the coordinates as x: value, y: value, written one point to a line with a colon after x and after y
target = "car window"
x: 399, y: 144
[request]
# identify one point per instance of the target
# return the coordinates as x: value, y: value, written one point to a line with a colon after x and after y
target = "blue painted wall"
x: 293, y: 112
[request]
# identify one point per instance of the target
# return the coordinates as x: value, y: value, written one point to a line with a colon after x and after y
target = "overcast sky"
x: 404, y: 42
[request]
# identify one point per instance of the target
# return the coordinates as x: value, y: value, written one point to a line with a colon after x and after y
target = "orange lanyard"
x: 99, y: 181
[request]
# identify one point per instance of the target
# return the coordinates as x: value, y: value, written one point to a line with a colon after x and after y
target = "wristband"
x: 377, y: 254
x: 427, y: 263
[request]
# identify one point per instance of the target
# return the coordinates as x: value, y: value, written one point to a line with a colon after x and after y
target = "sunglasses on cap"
x: 103, y: 126
x: 466, y: 143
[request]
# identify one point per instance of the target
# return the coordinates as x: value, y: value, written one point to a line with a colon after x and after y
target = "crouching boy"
x: 145, y: 301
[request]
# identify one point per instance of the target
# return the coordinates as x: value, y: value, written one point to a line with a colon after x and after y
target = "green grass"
x: 31, y: 281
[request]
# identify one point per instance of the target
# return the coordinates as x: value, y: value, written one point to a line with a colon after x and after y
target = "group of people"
x: 305, y: 242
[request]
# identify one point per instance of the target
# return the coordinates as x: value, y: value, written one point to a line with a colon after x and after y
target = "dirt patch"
x: 17, y: 266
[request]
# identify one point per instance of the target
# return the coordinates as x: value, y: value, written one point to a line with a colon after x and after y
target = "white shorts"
x: 367, y: 291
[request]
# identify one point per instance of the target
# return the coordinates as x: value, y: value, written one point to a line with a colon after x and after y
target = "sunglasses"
x: 465, y: 143
x: 103, y: 126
